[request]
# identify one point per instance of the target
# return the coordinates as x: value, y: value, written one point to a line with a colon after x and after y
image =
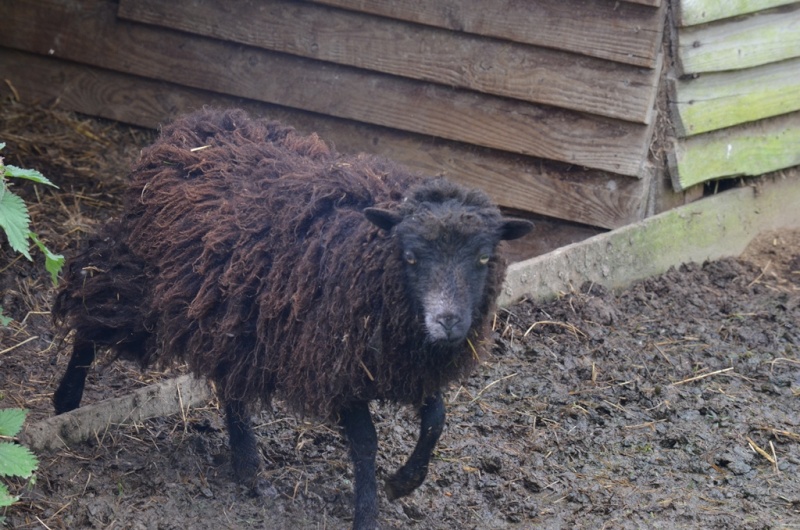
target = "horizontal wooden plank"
x: 691, y: 12
x: 751, y: 149
x: 91, y: 34
x: 618, y: 31
x: 717, y: 100
x: 385, y: 45
x: 741, y: 43
x: 523, y: 183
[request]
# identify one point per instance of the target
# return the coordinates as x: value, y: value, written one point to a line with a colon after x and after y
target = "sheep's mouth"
x: 446, y: 342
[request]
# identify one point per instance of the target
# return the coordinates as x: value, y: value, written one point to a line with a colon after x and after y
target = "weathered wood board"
x: 692, y: 12
x: 712, y: 228
x: 718, y: 100
x: 734, y: 45
x: 652, y: 3
x: 197, y: 62
x: 751, y: 149
x: 92, y: 422
x: 491, y: 66
x: 590, y: 197
x: 619, y: 31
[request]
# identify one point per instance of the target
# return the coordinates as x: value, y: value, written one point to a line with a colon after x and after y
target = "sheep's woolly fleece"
x: 244, y: 251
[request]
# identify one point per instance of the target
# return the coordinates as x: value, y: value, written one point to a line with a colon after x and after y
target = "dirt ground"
x: 672, y: 404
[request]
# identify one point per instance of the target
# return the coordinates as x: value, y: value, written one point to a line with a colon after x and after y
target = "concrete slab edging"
x: 712, y: 228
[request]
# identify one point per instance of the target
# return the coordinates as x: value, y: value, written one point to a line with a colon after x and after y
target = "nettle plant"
x: 15, y: 459
x: 15, y: 221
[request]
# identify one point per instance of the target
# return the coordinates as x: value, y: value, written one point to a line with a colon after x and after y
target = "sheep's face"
x: 447, y: 251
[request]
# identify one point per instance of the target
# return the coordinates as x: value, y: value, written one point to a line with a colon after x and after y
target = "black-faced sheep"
x: 271, y: 264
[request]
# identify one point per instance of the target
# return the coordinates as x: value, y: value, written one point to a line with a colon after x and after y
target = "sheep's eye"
x: 410, y: 258
x: 483, y: 259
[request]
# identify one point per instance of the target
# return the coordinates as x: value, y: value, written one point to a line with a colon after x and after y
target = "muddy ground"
x: 672, y: 404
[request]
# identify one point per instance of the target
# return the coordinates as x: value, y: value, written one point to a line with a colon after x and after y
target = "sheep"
x: 271, y: 264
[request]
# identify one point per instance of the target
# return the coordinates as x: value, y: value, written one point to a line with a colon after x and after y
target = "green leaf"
x: 28, y: 174
x: 16, y: 460
x: 52, y: 262
x: 6, y: 499
x: 15, y: 221
x: 11, y: 421
x: 4, y: 320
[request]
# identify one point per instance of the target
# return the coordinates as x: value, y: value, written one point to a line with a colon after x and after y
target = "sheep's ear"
x: 514, y: 228
x: 382, y: 218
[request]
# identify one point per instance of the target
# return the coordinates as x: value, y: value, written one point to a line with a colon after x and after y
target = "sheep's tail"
x: 102, y: 298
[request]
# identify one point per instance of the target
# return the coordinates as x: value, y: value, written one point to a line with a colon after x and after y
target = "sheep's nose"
x: 448, y: 321
x: 447, y: 324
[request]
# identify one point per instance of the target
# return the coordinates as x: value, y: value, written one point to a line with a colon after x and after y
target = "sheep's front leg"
x: 359, y: 430
x: 410, y: 476
x: 70, y: 390
x: 245, y: 459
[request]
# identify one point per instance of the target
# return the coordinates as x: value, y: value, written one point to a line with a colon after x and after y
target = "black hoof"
x: 262, y: 489
x: 66, y: 401
x: 403, y: 483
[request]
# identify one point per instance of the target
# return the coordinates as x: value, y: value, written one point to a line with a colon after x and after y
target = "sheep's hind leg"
x: 410, y: 476
x: 356, y: 422
x: 70, y: 390
x: 245, y: 459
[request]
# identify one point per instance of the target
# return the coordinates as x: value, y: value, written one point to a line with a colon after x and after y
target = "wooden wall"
x: 735, y: 90
x: 548, y: 105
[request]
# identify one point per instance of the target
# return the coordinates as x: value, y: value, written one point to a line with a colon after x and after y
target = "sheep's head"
x: 448, y: 238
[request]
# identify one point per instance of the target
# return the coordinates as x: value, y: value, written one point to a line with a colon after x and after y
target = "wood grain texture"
x: 94, y: 420
x: 715, y: 227
x: 718, y: 100
x: 748, y: 150
x: 588, y: 197
x: 691, y: 12
x: 652, y: 3
x: 414, y: 51
x: 619, y: 31
x: 91, y: 34
x: 741, y: 43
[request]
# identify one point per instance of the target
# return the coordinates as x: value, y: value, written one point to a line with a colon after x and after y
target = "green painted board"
x: 711, y: 228
x: 751, y: 149
x: 691, y: 12
x: 740, y: 43
x: 718, y: 100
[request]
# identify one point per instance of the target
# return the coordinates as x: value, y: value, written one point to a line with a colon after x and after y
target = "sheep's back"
x: 264, y: 270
